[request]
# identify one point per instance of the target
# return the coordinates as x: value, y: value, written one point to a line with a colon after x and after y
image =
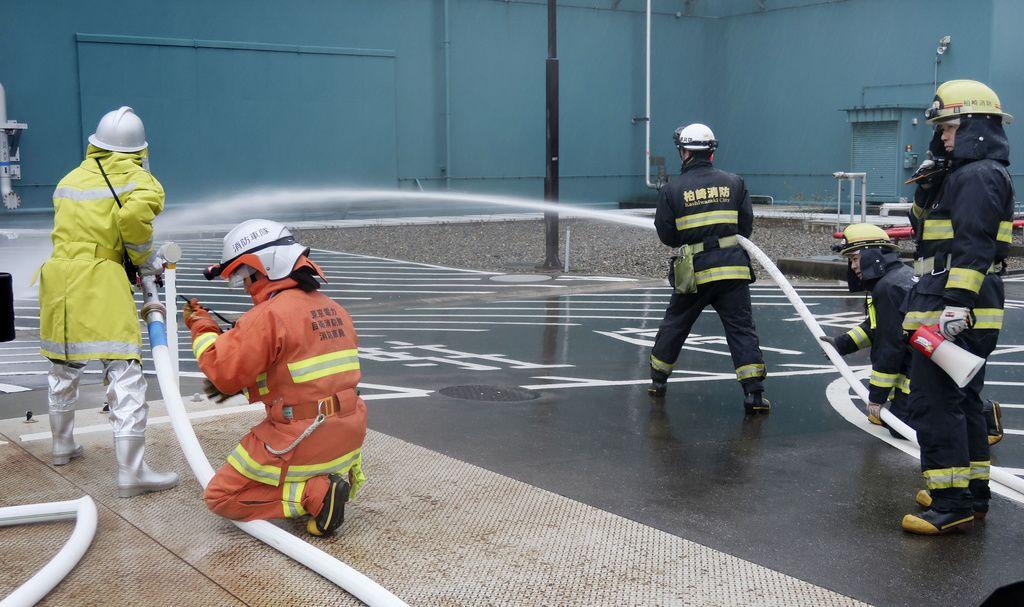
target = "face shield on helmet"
x: 236, y: 280
x: 265, y: 247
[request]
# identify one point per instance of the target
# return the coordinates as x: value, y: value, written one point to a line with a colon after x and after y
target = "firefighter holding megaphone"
x: 963, y: 232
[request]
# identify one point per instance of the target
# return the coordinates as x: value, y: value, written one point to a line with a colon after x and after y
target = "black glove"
x: 213, y: 393
x: 829, y: 340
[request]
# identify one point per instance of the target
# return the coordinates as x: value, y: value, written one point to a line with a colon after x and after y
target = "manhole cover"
x: 520, y: 278
x: 491, y: 394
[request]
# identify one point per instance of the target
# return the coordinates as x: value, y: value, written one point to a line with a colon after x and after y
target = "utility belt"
x: 328, y: 406
x: 684, y: 279
x: 939, y: 264
x: 72, y: 250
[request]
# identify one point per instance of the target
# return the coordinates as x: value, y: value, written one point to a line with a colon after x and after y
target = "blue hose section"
x: 157, y: 333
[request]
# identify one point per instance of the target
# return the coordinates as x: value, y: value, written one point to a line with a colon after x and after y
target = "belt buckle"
x: 327, y: 406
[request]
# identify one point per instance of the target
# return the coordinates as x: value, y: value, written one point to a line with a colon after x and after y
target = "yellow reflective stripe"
x: 324, y: 365
x: 722, y: 273
x: 245, y: 392
x: 903, y: 384
x: 871, y: 312
x: 754, y: 371
x: 261, y: 384
x: 965, y: 278
x: 658, y: 365
x: 860, y: 338
x: 980, y: 470
x: 241, y: 461
x: 937, y: 229
x: 202, y: 343
x: 917, y: 210
x: 883, y: 380
x: 335, y: 466
x: 1005, y: 233
x: 291, y: 499
x: 947, y: 478
x: 913, y: 320
x: 698, y: 220
x: 988, y: 318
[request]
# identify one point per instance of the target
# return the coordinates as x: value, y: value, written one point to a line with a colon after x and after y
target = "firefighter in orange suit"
x: 295, y: 351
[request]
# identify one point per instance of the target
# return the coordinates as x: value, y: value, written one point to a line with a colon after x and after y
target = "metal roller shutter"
x: 876, y: 152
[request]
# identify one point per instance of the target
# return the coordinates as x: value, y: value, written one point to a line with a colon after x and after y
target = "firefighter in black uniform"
x: 963, y: 233
x: 701, y: 211
x: 875, y: 267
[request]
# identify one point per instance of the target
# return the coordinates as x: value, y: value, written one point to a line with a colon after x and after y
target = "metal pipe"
x: 568, y: 233
x: 647, y: 100
x: 864, y: 198
x: 447, y: 100
x: 83, y: 510
x: 357, y: 584
x: 7, y: 195
x: 551, y: 261
x: 853, y: 191
x: 997, y: 474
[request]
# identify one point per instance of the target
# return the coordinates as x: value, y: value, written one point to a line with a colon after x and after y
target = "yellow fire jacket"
x: 86, y: 307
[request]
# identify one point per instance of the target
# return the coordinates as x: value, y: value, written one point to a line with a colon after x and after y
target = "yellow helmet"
x: 957, y: 98
x: 859, y: 236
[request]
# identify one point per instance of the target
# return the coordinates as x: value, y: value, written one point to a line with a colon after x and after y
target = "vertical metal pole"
x: 839, y: 203
x: 568, y: 234
x: 551, y: 261
x: 864, y: 198
x: 853, y: 191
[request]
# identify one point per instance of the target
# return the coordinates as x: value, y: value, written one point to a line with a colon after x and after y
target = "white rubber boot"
x: 62, y: 426
x: 134, y: 476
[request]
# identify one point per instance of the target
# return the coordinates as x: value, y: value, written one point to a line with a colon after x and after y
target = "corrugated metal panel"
x: 876, y: 152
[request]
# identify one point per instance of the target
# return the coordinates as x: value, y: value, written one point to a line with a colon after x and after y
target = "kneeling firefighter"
x: 963, y: 236
x: 296, y: 351
x: 701, y: 211
x: 875, y: 267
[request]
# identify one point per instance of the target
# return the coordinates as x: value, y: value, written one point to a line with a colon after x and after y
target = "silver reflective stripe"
x: 140, y: 248
x: 91, y: 194
x: 86, y: 348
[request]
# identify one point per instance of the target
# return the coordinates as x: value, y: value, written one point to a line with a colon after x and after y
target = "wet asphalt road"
x: 801, y: 491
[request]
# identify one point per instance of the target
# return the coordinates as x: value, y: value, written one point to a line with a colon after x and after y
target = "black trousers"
x: 731, y: 299
x: 951, y: 427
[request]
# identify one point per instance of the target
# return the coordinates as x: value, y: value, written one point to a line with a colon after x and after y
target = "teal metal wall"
x: 239, y: 94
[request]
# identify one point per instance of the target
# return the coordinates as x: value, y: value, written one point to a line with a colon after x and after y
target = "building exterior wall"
x: 239, y: 94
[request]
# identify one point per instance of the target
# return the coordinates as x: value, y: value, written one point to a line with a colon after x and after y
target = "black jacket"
x: 882, y: 331
x: 702, y: 205
x: 967, y: 224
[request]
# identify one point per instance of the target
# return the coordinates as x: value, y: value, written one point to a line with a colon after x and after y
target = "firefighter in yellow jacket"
x: 103, y: 219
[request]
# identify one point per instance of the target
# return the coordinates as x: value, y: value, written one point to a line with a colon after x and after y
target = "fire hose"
x: 357, y: 584
x: 997, y: 474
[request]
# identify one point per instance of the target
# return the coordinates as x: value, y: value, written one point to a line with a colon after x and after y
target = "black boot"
x: 659, y: 384
x: 979, y: 504
x: 935, y: 522
x: 657, y: 389
x: 332, y: 515
x: 755, y: 402
x: 994, y: 420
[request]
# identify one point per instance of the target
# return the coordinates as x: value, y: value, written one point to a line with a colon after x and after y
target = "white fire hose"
x: 83, y: 510
x: 357, y: 584
x: 997, y: 474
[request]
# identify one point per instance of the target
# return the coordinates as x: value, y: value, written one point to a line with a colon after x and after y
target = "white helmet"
x: 696, y: 136
x: 258, y: 245
x: 120, y: 131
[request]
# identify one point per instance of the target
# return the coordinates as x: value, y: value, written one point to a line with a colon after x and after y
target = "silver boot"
x: 62, y: 425
x: 134, y: 476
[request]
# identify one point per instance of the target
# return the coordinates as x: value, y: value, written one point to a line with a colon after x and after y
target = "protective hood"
x: 981, y: 136
x: 264, y: 288
x: 875, y: 262
x: 113, y: 162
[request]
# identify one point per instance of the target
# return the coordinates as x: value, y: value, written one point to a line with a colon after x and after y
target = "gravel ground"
x: 518, y: 246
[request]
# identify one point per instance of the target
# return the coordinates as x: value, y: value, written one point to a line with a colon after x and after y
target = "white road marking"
x: 465, y: 322
x: 583, y: 382
x: 11, y: 388
x: 838, y: 394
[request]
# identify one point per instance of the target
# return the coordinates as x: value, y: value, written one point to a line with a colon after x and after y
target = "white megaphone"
x: 958, y: 363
